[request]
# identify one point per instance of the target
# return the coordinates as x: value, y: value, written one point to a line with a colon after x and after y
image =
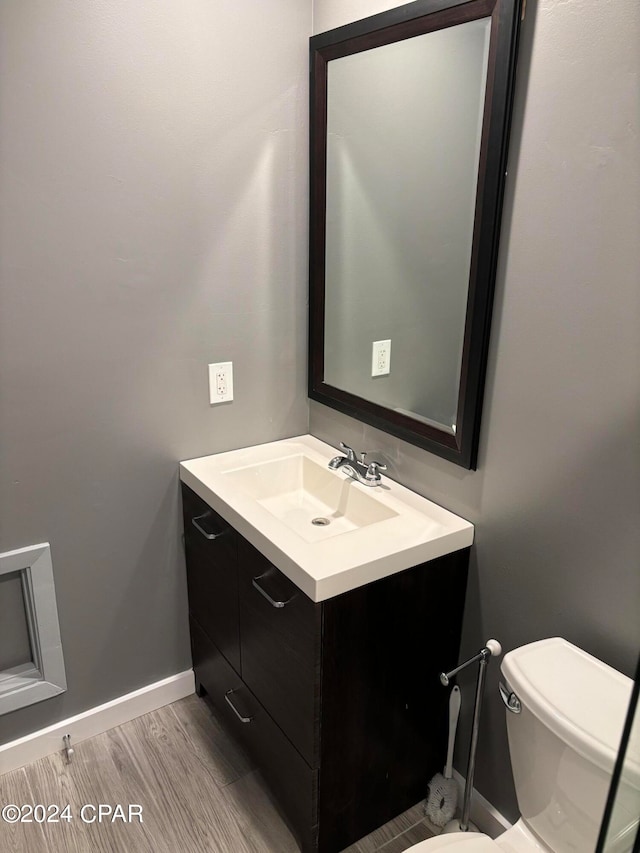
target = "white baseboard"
x: 95, y: 721
x: 487, y: 818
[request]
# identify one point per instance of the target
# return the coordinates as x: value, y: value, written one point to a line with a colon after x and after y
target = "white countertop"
x: 326, y: 561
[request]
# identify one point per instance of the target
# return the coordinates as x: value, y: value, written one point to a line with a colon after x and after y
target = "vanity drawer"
x: 211, y: 667
x: 280, y: 630
x: 211, y: 547
x: 293, y: 782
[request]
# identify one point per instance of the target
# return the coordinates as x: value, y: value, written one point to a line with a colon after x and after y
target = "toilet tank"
x: 565, y: 740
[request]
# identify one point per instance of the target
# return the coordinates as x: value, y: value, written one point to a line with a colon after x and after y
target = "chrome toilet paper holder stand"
x: 492, y: 648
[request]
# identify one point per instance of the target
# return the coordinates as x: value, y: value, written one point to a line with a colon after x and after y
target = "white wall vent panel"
x: 40, y: 673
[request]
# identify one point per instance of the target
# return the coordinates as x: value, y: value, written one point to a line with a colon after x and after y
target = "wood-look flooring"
x: 198, y: 790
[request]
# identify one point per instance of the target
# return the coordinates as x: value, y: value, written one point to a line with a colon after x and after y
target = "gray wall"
x: 152, y: 220
x: 556, y: 498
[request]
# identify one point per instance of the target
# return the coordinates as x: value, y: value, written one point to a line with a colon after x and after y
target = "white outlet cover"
x: 221, y: 382
x: 381, y: 358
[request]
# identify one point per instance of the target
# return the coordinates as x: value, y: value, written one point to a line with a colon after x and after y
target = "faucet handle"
x: 351, y: 455
x: 373, y: 471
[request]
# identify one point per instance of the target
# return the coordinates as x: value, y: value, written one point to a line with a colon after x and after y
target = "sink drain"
x: 320, y: 521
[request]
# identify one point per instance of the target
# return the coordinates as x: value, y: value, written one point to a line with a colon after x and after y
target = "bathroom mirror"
x: 409, y: 129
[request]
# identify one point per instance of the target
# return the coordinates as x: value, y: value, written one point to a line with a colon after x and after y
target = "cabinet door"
x: 293, y: 782
x: 280, y: 630
x: 212, y: 574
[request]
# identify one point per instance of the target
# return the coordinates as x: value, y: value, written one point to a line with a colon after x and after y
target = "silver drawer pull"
x: 510, y: 699
x: 208, y: 534
x: 234, y: 709
x: 272, y: 601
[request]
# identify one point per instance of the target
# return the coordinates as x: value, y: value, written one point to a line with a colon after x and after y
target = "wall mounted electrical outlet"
x: 381, y: 358
x: 221, y: 382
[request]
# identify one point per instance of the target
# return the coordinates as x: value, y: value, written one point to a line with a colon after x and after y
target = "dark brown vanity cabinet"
x: 339, y: 702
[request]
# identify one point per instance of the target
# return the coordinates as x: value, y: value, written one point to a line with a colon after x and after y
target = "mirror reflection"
x: 404, y: 127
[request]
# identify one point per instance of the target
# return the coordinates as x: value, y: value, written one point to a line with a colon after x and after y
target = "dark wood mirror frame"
x: 404, y: 22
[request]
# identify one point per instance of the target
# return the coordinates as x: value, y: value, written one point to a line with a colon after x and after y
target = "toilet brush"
x: 442, y: 797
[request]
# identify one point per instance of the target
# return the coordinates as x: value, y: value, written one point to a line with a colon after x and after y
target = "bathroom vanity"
x: 321, y: 655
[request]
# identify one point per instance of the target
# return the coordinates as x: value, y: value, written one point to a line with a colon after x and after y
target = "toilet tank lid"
x: 578, y: 697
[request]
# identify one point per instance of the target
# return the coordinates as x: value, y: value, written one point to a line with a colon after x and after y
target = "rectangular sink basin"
x: 325, y: 531
x: 308, y: 497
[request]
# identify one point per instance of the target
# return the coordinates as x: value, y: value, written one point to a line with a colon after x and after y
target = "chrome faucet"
x: 358, y: 469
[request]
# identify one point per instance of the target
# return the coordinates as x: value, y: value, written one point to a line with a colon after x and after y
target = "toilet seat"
x: 517, y: 839
x: 465, y: 842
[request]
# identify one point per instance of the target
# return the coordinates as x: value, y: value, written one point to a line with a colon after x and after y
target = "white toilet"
x: 563, y: 745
